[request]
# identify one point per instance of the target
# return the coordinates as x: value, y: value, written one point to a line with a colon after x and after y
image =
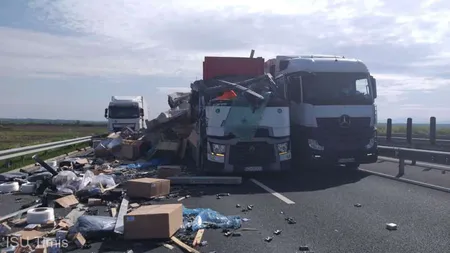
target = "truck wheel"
x: 352, y: 166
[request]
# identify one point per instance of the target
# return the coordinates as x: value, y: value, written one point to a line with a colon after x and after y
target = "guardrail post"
x: 409, y: 130
x: 401, y: 166
x: 433, y: 130
x: 389, y: 130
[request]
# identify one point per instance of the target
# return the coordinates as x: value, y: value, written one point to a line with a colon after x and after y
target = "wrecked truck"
x: 241, y: 123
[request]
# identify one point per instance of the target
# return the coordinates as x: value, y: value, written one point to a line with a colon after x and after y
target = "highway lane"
x: 330, y: 222
x: 418, y: 173
x: 326, y: 215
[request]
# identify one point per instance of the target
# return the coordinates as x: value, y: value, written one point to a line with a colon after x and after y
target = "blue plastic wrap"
x: 205, y: 218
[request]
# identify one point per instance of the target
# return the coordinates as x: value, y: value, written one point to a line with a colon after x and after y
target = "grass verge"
x: 14, y: 136
x: 19, y: 162
x: 416, y: 130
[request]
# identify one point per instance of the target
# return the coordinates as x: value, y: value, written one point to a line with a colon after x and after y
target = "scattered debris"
x: 122, y: 188
x: 303, y: 248
x: 291, y: 220
x: 391, y: 226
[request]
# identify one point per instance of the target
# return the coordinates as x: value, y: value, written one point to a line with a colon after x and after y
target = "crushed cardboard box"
x: 147, y: 187
x: 153, y: 221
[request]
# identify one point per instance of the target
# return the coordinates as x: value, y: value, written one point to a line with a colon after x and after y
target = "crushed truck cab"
x: 242, y: 124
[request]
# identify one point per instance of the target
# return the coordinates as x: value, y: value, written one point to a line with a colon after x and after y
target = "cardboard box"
x: 147, y: 187
x: 131, y: 149
x: 153, y: 222
x: 165, y: 171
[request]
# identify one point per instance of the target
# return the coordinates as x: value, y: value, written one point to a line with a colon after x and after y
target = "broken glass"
x: 245, y: 116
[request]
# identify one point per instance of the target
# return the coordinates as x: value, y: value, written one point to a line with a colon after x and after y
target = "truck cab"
x: 332, y: 108
x: 242, y: 124
x: 126, y: 111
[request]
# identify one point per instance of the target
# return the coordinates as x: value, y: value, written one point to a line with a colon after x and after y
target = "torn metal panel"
x: 177, y: 98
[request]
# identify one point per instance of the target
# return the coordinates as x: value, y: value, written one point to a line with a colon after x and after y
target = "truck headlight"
x: 371, y: 143
x: 314, y: 145
x: 283, y: 147
x: 218, y: 149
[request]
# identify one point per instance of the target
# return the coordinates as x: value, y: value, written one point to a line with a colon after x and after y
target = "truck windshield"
x: 247, y: 110
x: 123, y: 112
x: 337, y: 89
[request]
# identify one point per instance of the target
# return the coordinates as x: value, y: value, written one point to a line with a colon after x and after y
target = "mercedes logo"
x: 251, y: 149
x: 344, y: 121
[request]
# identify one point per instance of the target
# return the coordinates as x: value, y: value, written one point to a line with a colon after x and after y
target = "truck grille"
x: 332, y: 124
x: 252, y: 154
x: 333, y: 136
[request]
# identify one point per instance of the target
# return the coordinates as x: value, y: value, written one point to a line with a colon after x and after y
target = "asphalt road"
x: 323, y: 204
x: 427, y: 173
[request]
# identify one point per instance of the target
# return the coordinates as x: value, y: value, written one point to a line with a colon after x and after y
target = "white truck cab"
x: 126, y: 111
x: 332, y: 107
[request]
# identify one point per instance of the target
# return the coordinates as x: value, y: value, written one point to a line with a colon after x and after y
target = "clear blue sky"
x: 64, y: 59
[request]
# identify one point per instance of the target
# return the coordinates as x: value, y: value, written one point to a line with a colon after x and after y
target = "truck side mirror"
x: 106, y: 113
x: 141, y: 112
x: 373, y: 83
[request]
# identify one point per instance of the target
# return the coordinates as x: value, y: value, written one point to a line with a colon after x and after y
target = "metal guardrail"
x: 17, y: 152
x: 414, y: 155
x: 443, y: 141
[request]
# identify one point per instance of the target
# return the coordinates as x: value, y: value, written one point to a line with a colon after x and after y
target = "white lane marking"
x: 274, y: 193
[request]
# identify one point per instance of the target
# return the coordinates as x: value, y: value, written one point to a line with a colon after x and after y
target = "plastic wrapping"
x: 207, y: 218
x: 41, y: 176
x: 9, y: 176
x: 108, y: 147
x: 66, y: 182
x: 104, y: 180
x: 89, y: 225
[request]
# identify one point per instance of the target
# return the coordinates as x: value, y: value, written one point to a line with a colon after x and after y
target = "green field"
x: 418, y: 129
x: 20, y: 135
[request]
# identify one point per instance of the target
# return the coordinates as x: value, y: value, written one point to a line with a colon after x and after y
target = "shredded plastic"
x: 68, y: 182
x: 208, y: 218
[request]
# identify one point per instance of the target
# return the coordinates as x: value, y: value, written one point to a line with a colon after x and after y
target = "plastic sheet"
x: 108, y: 147
x: 9, y: 176
x: 89, y: 225
x: 66, y: 182
x: 104, y: 180
x: 208, y: 218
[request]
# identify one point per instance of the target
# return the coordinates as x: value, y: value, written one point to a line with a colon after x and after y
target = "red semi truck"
x: 247, y: 131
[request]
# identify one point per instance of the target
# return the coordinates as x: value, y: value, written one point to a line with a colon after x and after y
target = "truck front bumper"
x: 249, y: 157
x: 361, y: 156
